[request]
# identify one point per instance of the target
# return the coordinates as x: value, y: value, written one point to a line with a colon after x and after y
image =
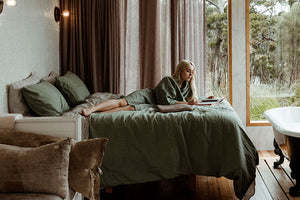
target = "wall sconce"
x: 57, y: 13
x: 8, y: 3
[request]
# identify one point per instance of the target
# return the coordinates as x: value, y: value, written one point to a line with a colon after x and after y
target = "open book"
x: 209, y: 102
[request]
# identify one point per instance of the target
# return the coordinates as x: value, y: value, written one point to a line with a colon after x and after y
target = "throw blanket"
x: 148, y: 145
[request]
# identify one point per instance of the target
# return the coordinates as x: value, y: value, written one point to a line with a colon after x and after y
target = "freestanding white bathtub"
x: 285, y: 120
x: 286, y: 127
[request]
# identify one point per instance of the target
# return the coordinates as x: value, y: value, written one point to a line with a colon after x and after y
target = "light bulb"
x: 66, y: 13
x: 11, y: 2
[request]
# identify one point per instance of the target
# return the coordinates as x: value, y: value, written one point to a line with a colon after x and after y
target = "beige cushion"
x: 85, y: 161
x: 29, y: 196
x: 174, y: 108
x: 51, y: 78
x: 16, y: 102
x: 42, y: 169
x: 22, y: 139
x: 85, y: 158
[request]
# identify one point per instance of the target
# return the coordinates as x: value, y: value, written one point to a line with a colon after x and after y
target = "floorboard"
x: 280, y: 175
x: 261, y: 190
x: 270, y: 181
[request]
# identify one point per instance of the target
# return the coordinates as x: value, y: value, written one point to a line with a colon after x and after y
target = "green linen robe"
x: 167, y: 92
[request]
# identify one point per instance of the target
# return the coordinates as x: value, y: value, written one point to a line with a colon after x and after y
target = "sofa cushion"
x: 73, y: 89
x: 85, y: 158
x: 45, y: 99
x: 42, y: 169
x: 16, y: 101
x: 84, y: 171
x: 29, y: 196
x: 23, y: 139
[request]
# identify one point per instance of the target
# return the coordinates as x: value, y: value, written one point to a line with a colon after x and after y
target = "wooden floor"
x: 270, y: 184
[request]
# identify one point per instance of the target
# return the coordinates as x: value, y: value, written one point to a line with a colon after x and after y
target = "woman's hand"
x: 193, y: 102
x: 181, y: 102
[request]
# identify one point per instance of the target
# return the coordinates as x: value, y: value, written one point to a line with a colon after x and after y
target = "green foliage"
x: 275, y: 54
x: 275, y: 41
x: 274, y: 51
x: 264, y: 97
x: 259, y: 105
x: 217, y: 47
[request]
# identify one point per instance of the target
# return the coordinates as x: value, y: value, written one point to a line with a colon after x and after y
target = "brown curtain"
x: 149, y: 39
x: 89, y: 41
x: 120, y: 46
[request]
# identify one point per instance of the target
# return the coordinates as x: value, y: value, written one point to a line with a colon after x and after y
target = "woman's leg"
x: 124, y: 108
x: 105, y: 106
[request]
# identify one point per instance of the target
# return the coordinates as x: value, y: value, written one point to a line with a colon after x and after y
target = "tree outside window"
x: 216, y: 20
x: 274, y: 55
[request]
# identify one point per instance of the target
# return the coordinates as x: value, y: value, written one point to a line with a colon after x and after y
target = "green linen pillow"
x: 73, y: 89
x: 45, y: 99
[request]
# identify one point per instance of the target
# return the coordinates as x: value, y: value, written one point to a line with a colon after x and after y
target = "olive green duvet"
x: 148, y: 145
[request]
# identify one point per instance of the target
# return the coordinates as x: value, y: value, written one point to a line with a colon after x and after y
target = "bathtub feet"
x: 295, y: 191
x: 278, y: 151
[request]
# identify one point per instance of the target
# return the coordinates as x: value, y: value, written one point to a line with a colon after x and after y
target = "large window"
x: 273, y: 56
x: 217, y: 45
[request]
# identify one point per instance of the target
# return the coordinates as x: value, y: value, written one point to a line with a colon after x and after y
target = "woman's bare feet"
x: 87, y: 111
x: 106, y: 106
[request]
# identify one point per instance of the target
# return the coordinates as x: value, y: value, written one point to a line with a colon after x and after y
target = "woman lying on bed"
x: 178, y: 89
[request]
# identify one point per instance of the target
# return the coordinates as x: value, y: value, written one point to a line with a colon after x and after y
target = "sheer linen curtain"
x: 191, y: 37
x: 156, y: 35
x: 125, y: 45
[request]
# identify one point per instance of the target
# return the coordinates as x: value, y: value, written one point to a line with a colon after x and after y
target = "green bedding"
x: 148, y: 145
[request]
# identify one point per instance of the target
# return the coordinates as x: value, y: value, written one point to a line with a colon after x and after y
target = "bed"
x: 148, y: 145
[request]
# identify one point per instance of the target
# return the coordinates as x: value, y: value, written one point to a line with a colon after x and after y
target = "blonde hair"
x: 182, y: 65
